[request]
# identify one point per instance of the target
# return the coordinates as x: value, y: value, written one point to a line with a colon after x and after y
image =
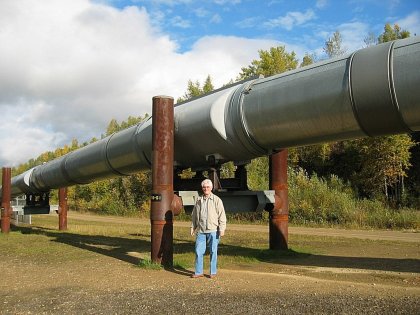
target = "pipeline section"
x: 371, y: 92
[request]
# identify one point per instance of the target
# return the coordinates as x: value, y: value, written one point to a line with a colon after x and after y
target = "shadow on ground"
x: 121, y: 247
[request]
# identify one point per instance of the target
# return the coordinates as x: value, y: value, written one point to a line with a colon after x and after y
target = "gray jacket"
x: 216, y: 216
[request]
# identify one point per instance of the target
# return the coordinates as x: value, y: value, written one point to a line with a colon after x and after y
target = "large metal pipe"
x: 374, y: 91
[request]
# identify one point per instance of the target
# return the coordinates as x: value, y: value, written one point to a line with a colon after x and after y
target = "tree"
x: 333, y: 46
x: 194, y: 89
x: 113, y: 126
x: 370, y: 40
x: 307, y: 60
x: 392, y: 33
x: 273, y: 61
x: 413, y: 178
x: 384, y: 162
x: 208, y: 85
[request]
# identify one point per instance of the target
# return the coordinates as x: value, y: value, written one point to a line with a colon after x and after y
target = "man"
x: 209, y: 223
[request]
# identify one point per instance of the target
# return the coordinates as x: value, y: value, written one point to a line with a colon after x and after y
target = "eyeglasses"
x: 205, y: 187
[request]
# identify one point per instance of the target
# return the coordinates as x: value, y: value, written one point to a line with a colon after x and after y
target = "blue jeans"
x: 201, y: 241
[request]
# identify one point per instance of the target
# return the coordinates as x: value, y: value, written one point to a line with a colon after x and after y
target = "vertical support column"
x: 62, y: 209
x: 279, y: 216
x: 214, y: 176
x: 5, y: 199
x: 161, y: 215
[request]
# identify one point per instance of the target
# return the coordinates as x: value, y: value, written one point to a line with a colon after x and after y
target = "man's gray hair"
x: 207, y: 182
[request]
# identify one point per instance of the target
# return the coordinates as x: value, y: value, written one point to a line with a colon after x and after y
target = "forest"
x: 362, y: 183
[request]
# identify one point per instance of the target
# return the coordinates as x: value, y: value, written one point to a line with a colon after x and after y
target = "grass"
x: 148, y: 264
x: 87, y: 240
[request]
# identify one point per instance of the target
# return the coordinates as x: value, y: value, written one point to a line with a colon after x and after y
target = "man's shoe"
x: 197, y: 276
x: 212, y: 276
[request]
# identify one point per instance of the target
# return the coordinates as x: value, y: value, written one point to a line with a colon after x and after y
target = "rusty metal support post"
x: 161, y: 214
x: 279, y: 216
x: 6, y: 209
x: 62, y: 209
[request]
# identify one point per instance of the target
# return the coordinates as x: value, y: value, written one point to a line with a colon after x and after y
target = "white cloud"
x: 201, y: 12
x: 411, y: 23
x: 68, y: 67
x: 247, y: 23
x: 321, y: 4
x: 223, y: 2
x: 353, y: 35
x: 291, y: 19
x: 216, y: 19
x: 178, y: 21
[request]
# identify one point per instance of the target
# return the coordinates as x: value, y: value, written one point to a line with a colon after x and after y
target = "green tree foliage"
x: 307, y: 60
x: 208, y: 85
x: 384, y: 162
x: 330, y: 201
x: 392, y: 33
x: 114, y: 126
x: 258, y: 174
x: 195, y: 89
x: 333, y: 46
x: 273, y: 61
x: 413, y: 178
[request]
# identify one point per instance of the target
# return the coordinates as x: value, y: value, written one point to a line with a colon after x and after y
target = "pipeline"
x: 371, y: 92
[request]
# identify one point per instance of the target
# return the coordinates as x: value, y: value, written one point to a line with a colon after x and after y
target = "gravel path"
x: 102, y: 284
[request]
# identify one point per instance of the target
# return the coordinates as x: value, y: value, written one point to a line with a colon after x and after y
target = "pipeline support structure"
x: 163, y: 200
x: 6, y: 210
x: 370, y: 92
x: 62, y: 209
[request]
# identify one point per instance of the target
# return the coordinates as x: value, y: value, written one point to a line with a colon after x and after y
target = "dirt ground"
x: 383, y: 279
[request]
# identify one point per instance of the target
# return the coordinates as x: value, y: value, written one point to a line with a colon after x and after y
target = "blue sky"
x: 67, y: 67
x: 186, y: 21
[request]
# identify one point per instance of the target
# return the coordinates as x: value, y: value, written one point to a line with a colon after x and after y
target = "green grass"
x: 148, y: 264
x: 43, y: 244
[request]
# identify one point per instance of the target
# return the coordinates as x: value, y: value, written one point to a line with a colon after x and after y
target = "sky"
x: 67, y: 67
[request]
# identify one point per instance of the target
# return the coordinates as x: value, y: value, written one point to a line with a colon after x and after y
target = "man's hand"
x: 192, y: 231
x: 222, y: 233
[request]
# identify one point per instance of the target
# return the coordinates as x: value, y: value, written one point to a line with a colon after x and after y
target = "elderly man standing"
x: 209, y: 223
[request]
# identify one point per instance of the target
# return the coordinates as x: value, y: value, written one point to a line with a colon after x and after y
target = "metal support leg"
x: 62, y: 209
x: 161, y: 214
x: 279, y: 216
x: 214, y: 176
x: 6, y: 209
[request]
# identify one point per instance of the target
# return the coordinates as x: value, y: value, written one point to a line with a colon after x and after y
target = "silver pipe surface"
x: 374, y: 91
